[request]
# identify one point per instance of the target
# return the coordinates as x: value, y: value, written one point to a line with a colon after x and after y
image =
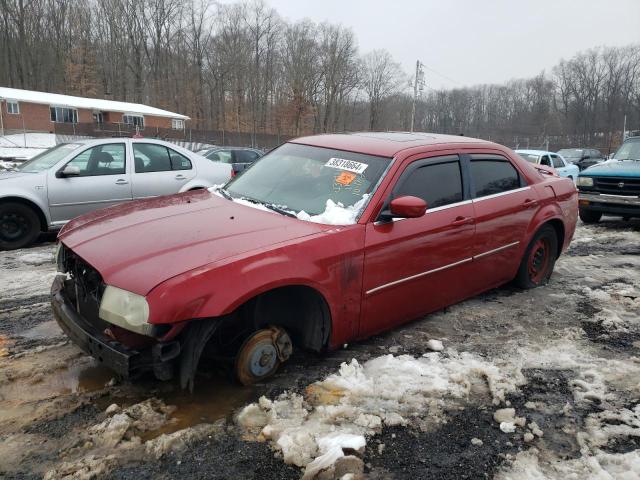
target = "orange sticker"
x: 345, y: 178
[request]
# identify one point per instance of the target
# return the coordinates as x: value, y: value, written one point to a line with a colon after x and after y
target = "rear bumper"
x: 610, y: 204
x: 125, y: 361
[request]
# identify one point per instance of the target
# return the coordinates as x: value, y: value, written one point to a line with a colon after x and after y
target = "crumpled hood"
x: 613, y: 168
x: 138, y: 245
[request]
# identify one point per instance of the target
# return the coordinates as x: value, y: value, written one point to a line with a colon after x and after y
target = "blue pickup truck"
x: 612, y: 187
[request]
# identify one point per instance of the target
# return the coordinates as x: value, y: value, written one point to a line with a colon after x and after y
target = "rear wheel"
x: 261, y: 354
x: 539, y: 258
x: 19, y: 226
x: 589, y: 216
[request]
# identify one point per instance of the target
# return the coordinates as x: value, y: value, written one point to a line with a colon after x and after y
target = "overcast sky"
x: 477, y: 41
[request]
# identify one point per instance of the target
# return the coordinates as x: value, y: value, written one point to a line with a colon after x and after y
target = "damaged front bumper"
x: 126, y: 362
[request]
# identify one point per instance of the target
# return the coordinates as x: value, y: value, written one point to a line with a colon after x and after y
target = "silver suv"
x: 71, y: 179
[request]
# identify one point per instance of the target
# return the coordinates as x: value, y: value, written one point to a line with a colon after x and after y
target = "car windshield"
x: 629, y: 150
x: 571, y: 152
x: 47, y: 159
x: 312, y: 183
x: 529, y: 157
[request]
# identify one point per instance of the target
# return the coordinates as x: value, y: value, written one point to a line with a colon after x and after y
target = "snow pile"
x: 529, y: 465
x: 33, y: 140
x: 336, y: 213
x: 336, y: 414
x: 38, y: 258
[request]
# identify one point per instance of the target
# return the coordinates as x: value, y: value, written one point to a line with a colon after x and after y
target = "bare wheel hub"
x: 261, y: 354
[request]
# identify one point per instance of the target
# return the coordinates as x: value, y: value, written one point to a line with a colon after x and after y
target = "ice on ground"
x: 340, y: 411
x: 336, y: 213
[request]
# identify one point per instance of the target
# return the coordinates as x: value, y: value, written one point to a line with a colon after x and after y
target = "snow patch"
x: 340, y: 411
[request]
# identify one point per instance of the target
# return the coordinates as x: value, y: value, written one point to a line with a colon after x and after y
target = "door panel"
x: 415, y: 266
x: 418, y: 265
x: 159, y: 170
x: 103, y: 181
x: 503, y: 209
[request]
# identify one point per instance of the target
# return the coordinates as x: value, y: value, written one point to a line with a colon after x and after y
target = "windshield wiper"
x: 271, y: 206
x: 224, y: 193
x: 278, y: 209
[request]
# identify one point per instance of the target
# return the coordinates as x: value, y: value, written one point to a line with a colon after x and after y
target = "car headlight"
x: 585, y: 182
x: 59, y: 258
x: 125, y: 309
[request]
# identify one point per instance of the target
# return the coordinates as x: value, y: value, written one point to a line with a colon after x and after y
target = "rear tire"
x: 589, y: 216
x: 539, y: 258
x: 19, y: 226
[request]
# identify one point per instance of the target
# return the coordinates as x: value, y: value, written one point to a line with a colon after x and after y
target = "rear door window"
x: 557, y: 161
x: 150, y: 157
x: 492, y: 175
x: 179, y: 161
x: 438, y: 183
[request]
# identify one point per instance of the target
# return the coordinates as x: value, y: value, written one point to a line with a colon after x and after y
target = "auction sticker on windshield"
x: 348, y: 165
x: 346, y: 178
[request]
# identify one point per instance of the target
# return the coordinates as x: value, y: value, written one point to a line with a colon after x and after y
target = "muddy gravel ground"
x: 564, y: 357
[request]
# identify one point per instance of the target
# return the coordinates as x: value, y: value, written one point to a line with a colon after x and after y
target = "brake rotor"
x: 261, y: 354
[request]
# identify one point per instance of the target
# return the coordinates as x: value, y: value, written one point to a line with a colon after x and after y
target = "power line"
x: 441, y: 74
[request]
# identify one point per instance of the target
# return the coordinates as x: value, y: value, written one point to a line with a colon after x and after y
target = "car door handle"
x: 180, y: 177
x: 121, y: 181
x: 528, y: 203
x: 462, y: 221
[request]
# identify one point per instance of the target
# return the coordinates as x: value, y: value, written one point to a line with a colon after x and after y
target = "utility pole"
x: 417, y: 86
x: 624, y: 127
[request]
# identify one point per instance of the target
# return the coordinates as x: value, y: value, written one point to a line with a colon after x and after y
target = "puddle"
x: 83, y: 376
x: 213, y: 398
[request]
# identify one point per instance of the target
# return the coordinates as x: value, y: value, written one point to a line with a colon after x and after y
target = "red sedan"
x: 325, y: 240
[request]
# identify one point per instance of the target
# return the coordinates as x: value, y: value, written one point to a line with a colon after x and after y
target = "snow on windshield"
x: 336, y: 213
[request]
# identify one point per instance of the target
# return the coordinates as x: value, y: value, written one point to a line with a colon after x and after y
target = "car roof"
x: 536, y: 152
x: 384, y: 144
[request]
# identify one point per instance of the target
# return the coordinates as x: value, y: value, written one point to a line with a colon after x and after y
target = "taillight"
x: 233, y: 173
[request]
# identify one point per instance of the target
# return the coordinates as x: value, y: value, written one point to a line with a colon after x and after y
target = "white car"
x: 553, y: 160
x: 75, y: 178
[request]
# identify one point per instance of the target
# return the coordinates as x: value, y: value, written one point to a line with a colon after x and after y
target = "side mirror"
x: 407, y: 207
x: 68, y: 171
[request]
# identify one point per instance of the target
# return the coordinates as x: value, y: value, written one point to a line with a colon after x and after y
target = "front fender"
x: 332, y: 267
x: 39, y: 201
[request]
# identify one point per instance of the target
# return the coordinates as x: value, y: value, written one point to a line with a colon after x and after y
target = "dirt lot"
x: 564, y: 357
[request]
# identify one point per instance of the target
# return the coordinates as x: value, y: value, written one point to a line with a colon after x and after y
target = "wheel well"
x: 299, y: 309
x: 43, y: 220
x: 558, y: 226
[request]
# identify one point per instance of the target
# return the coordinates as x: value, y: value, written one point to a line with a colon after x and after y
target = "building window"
x: 98, y: 117
x: 13, y: 107
x: 133, y: 120
x: 64, y: 115
x: 177, y: 124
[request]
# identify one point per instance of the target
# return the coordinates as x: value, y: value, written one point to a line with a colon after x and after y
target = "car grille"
x: 87, y: 284
x: 617, y: 185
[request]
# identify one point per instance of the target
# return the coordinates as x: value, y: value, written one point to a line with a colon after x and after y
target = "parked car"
x: 71, y: 179
x: 327, y: 239
x: 613, y: 187
x: 553, y: 160
x: 238, y: 157
x: 582, y: 157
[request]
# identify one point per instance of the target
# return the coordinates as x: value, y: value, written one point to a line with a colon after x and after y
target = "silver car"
x: 71, y: 179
